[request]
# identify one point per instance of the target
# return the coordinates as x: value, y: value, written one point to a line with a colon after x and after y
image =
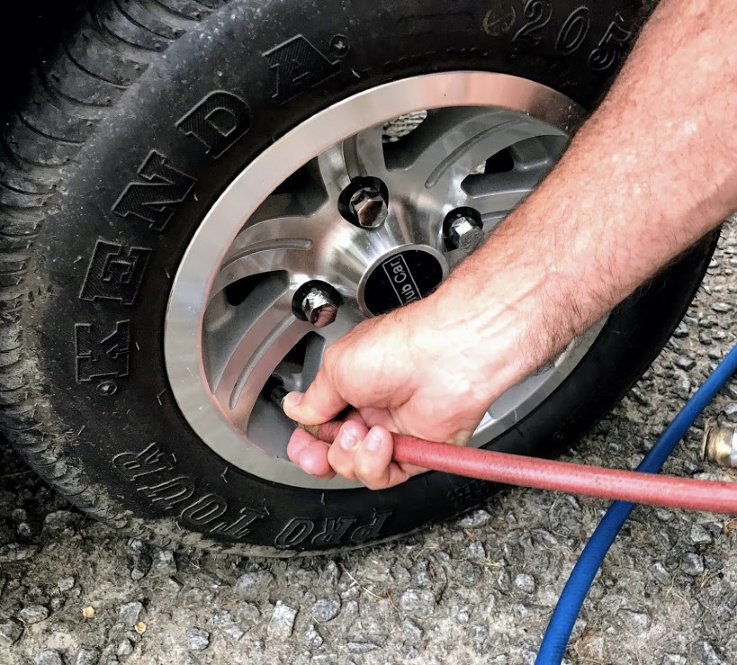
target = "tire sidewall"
x: 100, y: 367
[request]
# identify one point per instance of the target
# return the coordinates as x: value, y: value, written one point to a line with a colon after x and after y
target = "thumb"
x: 321, y: 402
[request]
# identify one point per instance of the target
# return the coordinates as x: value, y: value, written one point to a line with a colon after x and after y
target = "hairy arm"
x: 650, y: 172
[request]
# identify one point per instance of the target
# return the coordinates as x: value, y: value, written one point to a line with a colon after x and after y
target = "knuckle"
x: 335, y: 458
x: 374, y: 484
x: 330, y: 358
x: 340, y: 463
x: 331, y: 367
x: 367, y: 470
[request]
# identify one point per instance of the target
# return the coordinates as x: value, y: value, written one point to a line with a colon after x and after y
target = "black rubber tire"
x: 82, y: 382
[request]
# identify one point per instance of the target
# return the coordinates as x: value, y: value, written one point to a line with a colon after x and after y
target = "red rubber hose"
x: 603, y: 483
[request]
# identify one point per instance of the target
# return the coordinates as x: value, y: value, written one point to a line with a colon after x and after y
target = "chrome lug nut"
x: 319, y: 306
x: 465, y: 233
x: 369, y: 207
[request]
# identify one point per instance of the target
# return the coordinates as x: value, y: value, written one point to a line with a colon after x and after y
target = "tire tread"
x: 68, y: 97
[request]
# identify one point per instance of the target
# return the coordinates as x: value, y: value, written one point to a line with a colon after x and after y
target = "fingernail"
x: 347, y: 440
x: 372, y: 441
x: 292, y: 400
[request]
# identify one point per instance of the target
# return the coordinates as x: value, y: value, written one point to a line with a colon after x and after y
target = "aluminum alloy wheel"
x: 231, y: 325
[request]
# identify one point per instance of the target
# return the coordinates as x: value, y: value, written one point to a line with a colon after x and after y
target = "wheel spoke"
x: 254, y: 357
x: 364, y: 154
x: 280, y: 243
x: 497, y: 193
x: 446, y: 138
x: 450, y: 145
x: 333, y: 171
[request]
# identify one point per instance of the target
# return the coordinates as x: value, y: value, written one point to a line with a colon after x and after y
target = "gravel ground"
x: 480, y: 589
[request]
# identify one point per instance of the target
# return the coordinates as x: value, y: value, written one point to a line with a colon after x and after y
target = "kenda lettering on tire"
x: 116, y: 272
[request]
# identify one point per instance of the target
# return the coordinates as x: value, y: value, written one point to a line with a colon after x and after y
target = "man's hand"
x: 395, y: 376
x: 401, y: 373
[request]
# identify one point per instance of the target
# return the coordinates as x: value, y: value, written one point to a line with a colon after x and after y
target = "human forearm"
x: 651, y: 172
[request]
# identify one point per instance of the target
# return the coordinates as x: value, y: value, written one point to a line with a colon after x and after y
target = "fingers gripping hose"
x: 638, y: 487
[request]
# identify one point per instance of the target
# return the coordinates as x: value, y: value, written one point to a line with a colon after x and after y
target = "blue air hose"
x: 555, y: 640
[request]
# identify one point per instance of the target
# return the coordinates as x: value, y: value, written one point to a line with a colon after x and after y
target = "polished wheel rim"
x: 365, y: 206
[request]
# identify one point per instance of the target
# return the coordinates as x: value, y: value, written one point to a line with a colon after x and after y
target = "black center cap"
x: 401, y: 279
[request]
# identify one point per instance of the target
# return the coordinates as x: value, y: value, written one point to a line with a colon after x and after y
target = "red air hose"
x: 615, y: 484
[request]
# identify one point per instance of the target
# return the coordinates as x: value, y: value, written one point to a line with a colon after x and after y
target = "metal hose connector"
x: 719, y: 445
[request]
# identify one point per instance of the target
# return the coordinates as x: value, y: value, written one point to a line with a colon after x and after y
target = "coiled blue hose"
x: 555, y: 640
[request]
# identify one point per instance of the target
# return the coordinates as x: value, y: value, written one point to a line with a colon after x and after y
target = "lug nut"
x: 369, y: 207
x: 465, y: 233
x: 720, y: 446
x: 319, y: 306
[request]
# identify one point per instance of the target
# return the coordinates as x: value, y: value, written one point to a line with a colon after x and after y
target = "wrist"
x: 508, y: 307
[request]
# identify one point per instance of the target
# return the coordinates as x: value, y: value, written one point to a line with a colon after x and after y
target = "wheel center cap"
x: 401, y: 278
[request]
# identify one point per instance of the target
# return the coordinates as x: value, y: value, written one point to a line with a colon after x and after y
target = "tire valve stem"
x: 278, y: 394
x: 275, y: 392
x: 719, y: 445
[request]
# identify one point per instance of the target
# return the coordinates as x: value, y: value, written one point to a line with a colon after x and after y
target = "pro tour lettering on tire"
x: 153, y: 473
x: 333, y: 531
